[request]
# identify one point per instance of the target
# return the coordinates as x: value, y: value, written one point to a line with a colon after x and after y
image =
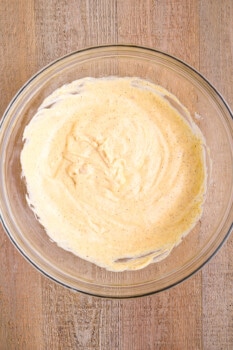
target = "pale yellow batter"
x: 115, y: 174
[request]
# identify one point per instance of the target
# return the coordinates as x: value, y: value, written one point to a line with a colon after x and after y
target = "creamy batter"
x: 114, y: 172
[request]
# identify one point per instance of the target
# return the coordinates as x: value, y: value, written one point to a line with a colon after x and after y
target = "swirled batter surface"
x: 115, y: 173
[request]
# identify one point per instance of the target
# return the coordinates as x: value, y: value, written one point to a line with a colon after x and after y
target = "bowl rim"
x: 55, y: 62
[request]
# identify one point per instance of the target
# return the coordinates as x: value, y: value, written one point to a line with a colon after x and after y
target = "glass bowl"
x: 209, y: 111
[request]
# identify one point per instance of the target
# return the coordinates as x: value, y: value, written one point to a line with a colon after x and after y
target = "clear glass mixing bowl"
x: 209, y: 111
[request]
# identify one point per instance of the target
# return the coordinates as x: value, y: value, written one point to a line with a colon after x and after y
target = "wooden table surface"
x: 36, y: 313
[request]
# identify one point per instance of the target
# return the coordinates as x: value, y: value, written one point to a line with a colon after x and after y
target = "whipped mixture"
x: 114, y: 172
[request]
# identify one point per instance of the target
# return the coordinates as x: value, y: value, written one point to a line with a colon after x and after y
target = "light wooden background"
x: 36, y: 313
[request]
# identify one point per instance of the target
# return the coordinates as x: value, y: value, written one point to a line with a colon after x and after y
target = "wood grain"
x: 216, y: 63
x: 36, y: 313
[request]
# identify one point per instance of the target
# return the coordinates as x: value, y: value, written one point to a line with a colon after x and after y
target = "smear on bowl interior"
x: 114, y: 172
